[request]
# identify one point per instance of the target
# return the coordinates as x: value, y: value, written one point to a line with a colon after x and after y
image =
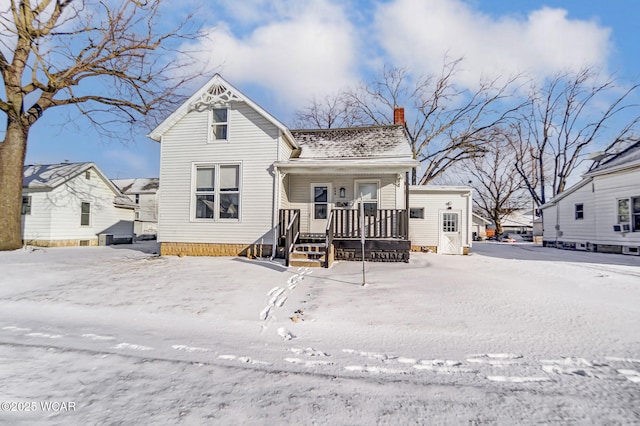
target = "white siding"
x: 299, y: 190
x: 563, y: 215
x: 62, y: 205
x: 600, y: 211
x: 253, y: 142
x: 426, y: 232
x: 608, y: 189
x: 37, y: 225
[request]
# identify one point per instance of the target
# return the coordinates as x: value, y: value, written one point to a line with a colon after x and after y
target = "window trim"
x: 422, y: 213
x: 27, y: 211
x: 82, y: 213
x: 211, y: 123
x: 216, y: 192
x: 578, y: 213
x: 356, y: 194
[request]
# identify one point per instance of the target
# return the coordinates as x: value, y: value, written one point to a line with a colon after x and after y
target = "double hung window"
x: 217, y: 191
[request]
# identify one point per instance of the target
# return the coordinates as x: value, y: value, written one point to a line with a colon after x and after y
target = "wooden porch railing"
x: 288, y: 230
x: 329, y: 240
x: 383, y: 223
x: 291, y: 235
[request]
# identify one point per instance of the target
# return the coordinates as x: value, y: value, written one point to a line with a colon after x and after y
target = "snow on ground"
x: 512, y: 334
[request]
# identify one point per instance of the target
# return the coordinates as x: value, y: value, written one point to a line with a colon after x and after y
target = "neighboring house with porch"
x: 144, y: 193
x: 440, y: 218
x: 479, y: 227
x: 601, y: 212
x: 72, y: 204
x: 236, y: 181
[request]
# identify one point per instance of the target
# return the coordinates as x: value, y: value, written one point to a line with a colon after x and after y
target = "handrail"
x: 328, y: 239
x: 291, y: 235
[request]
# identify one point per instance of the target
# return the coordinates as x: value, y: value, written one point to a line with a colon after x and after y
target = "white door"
x: 320, y: 207
x: 450, y: 233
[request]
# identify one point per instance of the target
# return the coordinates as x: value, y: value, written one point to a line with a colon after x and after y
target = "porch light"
x: 343, y: 192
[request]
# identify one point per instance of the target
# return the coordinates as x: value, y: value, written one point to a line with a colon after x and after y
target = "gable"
x: 216, y: 93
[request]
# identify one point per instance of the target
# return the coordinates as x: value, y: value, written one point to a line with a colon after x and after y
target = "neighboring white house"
x: 144, y: 193
x: 601, y: 212
x: 440, y: 218
x: 71, y: 204
x: 479, y: 227
x: 235, y: 180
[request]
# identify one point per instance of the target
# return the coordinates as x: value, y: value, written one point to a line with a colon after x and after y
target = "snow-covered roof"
x: 50, y: 176
x: 137, y: 185
x: 481, y: 219
x: 354, y: 142
x: 439, y: 188
x: 630, y: 157
x: 47, y: 176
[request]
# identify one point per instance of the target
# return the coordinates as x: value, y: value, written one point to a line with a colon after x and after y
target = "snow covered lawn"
x: 513, y: 333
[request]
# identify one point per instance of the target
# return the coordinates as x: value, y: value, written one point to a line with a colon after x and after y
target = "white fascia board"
x: 177, y: 115
x: 379, y: 165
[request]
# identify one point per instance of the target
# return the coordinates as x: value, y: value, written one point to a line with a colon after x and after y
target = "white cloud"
x: 307, y: 48
x: 419, y: 34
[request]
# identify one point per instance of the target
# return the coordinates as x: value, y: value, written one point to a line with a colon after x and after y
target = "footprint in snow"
x: 285, y: 334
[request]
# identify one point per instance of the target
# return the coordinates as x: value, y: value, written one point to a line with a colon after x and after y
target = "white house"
x: 71, y: 204
x: 235, y: 180
x: 479, y: 226
x: 144, y: 193
x: 440, y: 218
x: 601, y: 212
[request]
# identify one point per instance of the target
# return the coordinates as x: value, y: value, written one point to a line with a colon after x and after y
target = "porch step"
x: 309, y: 254
x: 310, y: 263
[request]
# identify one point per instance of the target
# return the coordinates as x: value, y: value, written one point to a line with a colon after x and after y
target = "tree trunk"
x: 12, y: 155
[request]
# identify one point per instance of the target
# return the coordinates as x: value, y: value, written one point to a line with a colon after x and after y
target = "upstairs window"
x: 219, y: 124
x: 87, y: 175
x: 26, y: 204
x: 579, y: 211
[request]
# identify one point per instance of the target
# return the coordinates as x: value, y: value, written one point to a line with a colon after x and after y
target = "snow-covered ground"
x: 512, y: 334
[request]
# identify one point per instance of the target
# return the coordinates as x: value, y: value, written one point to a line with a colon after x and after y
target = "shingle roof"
x: 50, y: 175
x: 354, y: 142
x: 137, y: 185
x: 629, y: 155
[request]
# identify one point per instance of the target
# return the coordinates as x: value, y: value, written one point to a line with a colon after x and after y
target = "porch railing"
x: 383, y: 223
x: 329, y: 240
x: 292, y: 232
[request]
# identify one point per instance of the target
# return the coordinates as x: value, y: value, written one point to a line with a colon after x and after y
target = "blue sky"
x: 282, y: 52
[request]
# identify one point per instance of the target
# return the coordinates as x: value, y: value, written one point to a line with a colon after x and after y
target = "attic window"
x: 219, y: 124
x: 87, y: 175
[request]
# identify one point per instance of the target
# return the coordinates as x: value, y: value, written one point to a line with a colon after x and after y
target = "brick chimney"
x: 398, y: 115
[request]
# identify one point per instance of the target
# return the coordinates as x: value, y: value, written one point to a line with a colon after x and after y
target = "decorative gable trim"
x: 217, y: 90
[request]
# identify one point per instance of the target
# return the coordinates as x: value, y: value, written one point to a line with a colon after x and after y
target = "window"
x: 26, y: 204
x: 369, y: 193
x: 219, y: 124
x: 87, y: 175
x: 629, y: 214
x: 320, y: 202
x: 85, y: 214
x: 221, y: 183
x: 137, y: 198
x: 450, y: 222
x: 579, y: 211
x: 416, y: 213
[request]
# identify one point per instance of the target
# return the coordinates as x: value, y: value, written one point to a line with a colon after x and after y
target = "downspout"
x: 276, y: 201
x: 470, y: 218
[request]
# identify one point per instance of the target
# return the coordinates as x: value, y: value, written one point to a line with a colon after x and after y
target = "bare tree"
x: 329, y: 112
x: 498, y: 187
x: 104, y: 58
x: 444, y: 120
x: 570, y: 115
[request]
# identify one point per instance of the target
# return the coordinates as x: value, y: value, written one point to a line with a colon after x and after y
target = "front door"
x: 320, y: 207
x: 450, y: 233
